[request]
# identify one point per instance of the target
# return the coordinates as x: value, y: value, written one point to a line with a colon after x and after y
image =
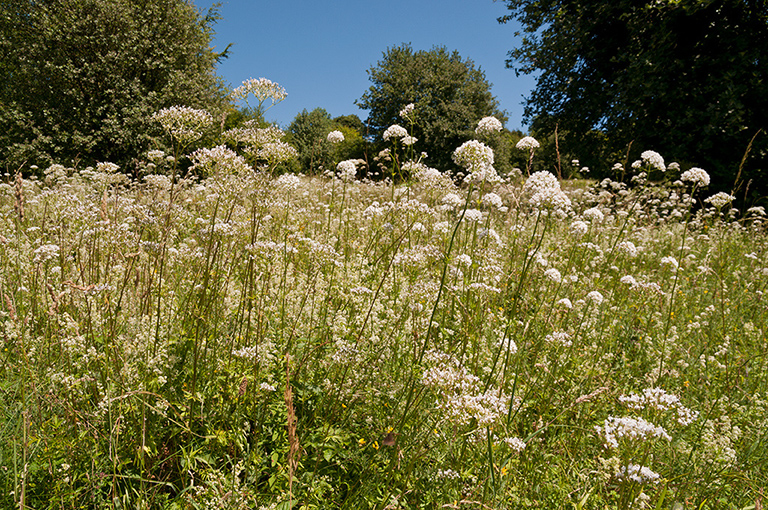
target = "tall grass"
x: 251, y: 341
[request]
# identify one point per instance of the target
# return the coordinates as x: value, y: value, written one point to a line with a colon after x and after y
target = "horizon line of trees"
x: 81, y: 80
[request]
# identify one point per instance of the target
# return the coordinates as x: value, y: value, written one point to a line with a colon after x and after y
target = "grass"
x: 250, y: 341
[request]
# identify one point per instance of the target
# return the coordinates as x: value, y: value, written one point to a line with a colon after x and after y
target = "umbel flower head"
x: 183, y: 123
x: 720, y: 199
x: 696, y: 176
x: 528, y: 142
x: 488, y: 125
x: 473, y: 155
x: 262, y: 88
x: 335, y: 137
x: 407, y: 111
x: 653, y: 160
x: 395, y: 131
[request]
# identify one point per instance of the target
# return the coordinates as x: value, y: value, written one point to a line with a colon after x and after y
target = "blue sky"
x: 320, y: 51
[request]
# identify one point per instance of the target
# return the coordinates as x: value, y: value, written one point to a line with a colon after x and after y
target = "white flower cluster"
x: 638, y: 474
x: 553, y: 275
x: 486, y: 408
x: 492, y: 200
x: 653, y: 160
x: 670, y: 261
x: 719, y: 200
x: 183, y: 123
x: 247, y: 353
x: 627, y: 247
x: 593, y: 214
x: 262, y: 88
x: 528, y: 143
x: 633, y: 429
x: 347, y: 170
x: 252, y: 135
x: 659, y: 400
x: 696, y: 176
x: 277, y: 152
x: 218, y: 160
x: 473, y: 155
x: 488, y: 125
x: 461, y: 399
x: 107, y: 168
x: 515, y: 443
x: 579, y: 228
x: 559, y: 337
x: 335, y: 137
x: 395, y: 131
x: 545, y: 192
x: 407, y: 110
x: 45, y: 252
x: 595, y: 297
x: 287, y: 183
x: 158, y: 181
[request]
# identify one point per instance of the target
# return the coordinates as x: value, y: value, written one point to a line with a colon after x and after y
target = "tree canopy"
x: 686, y: 78
x: 80, y: 79
x: 450, y: 96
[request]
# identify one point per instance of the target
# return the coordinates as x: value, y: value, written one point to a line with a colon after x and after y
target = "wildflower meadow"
x: 218, y: 334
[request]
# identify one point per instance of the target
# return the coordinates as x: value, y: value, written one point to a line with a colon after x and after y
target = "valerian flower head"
x: 528, y: 142
x: 654, y: 160
x: 277, y: 152
x: 335, y: 137
x: 696, y: 176
x: 395, y: 131
x: 262, y: 89
x: 407, y: 110
x: 720, y: 199
x: 218, y: 160
x: 488, y: 125
x: 347, y: 170
x: 183, y: 123
x: 473, y: 155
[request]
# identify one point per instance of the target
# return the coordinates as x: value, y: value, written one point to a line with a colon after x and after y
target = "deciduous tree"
x: 80, y: 79
x: 687, y: 78
x: 450, y: 96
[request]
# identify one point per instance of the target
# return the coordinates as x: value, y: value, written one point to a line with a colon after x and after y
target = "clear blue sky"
x: 320, y: 51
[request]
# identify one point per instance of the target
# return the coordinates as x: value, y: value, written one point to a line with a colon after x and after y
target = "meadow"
x: 232, y: 338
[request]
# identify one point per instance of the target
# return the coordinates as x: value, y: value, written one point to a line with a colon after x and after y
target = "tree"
x: 450, y: 96
x: 307, y: 133
x: 80, y: 79
x: 686, y: 78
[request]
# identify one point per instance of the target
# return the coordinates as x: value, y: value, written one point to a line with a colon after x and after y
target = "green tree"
x: 450, y: 96
x: 686, y: 78
x: 80, y: 79
x: 308, y: 133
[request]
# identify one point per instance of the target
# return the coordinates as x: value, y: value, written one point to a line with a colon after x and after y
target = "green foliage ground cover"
x: 253, y: 341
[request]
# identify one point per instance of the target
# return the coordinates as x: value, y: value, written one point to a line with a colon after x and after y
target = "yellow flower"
x: 362, y: 441
x: 375, y: 444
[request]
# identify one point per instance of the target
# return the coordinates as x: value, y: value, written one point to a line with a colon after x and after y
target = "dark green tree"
x: 450, y: 96
x: 80, y: 79
x: 686, y: 78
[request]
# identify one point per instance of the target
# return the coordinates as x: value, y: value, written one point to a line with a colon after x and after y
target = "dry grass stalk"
x: 293, y: 441
x: 19, y: 192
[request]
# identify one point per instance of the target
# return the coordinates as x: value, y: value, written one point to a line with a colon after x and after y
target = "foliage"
x: 686, y: 78
x: 308, y: 132
x: 449, y: 93
x: 81, y: 78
